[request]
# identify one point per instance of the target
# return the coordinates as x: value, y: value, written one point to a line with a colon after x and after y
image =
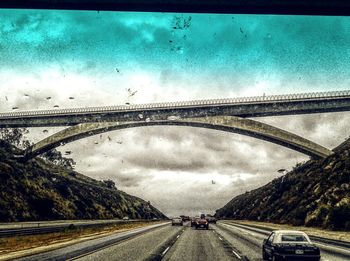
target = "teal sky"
x: 226, y: 51
x: 111, y: 58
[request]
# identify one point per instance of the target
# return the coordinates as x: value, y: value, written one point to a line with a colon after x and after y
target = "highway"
x: 223, y: 241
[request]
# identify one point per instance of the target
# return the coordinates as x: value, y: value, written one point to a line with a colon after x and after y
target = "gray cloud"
x: 61, y: 54
x: 161, y: 164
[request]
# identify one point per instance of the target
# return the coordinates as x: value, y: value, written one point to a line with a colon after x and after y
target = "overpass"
x: 219, y: 114
x: 258, y: 106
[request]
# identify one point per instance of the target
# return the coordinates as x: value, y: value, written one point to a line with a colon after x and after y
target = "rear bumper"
x: 202, y: 225
x: 297, y: 257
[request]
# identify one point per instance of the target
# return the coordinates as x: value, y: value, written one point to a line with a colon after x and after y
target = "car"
x: 201, y: 223
x: 177, y: 221
x: 193, y: 221
x: 210, y: 219
x: 185, y: 218
x: 289, y: 244
x: 126, y: 218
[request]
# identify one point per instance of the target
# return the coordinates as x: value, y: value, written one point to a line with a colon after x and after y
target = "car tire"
x: 275, y: 258
x: 265, y: 256
x: 207, y: 227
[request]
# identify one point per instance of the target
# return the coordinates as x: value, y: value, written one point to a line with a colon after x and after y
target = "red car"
x: 201, y: 223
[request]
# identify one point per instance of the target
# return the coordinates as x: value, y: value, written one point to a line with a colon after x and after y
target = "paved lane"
x: 243, y: 243
x: 147, y: 246
x: 199, y: 245
x: 88, y: 246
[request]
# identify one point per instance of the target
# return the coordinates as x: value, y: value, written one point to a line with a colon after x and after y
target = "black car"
x: 289, y: 245
x: 193, y: 221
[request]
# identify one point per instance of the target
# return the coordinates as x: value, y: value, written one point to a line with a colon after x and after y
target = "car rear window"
x: 294, y: 238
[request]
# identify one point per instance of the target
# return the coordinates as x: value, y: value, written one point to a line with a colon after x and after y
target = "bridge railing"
x: 194, y: 103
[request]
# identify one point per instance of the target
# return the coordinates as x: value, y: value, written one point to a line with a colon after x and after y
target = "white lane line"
x: 238, y: 256
x: 166, y: 250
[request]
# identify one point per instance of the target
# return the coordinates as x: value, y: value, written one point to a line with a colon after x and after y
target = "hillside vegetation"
x: 316, y: 193
x: 40, y: 190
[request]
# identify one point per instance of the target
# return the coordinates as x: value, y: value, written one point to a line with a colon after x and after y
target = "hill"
x: 40, y: 190
x: 315, y: 193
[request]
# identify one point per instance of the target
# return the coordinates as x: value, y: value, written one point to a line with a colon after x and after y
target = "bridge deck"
x: 316, y: 96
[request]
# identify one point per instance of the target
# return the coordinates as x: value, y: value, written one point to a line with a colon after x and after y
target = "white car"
x: 177, y: 221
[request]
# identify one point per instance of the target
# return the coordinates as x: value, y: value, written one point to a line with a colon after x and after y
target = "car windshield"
x: 293, y: 238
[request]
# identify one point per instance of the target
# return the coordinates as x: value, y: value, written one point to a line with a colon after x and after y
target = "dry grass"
x: 337, y: 235
x: 20, y: 243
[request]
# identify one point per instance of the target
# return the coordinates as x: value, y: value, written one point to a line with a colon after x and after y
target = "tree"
x: 56, y: 158
x: 15, y: 136
x: 110, y: 183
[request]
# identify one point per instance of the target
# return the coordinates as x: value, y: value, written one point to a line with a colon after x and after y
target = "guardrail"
x: 181, y: 104
x: 44, y: 229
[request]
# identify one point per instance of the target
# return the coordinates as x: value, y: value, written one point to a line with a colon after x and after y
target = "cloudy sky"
x: 102, y: 58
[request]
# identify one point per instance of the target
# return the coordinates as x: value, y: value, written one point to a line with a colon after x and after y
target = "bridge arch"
x: 233, y: 124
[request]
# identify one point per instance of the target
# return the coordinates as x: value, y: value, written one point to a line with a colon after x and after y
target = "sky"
x: 113, y: 58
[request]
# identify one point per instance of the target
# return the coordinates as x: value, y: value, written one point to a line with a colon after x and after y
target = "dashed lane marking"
x: 236, y: 254
x: 231, y: 247
x: 166, y: 250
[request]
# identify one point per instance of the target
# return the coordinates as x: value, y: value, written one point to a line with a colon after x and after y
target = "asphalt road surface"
x: 221, y: 242
x: 248, y: 243
x: 145, y: 246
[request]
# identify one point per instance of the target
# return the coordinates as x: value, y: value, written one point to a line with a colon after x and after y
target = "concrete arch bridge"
x: 229, y: 115
x: 232, y: 124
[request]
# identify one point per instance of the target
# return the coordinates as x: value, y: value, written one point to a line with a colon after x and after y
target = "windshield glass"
x: 81, y: 137
x: 294, y: 238
x: 53, y: 59
x: 64, y: 59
